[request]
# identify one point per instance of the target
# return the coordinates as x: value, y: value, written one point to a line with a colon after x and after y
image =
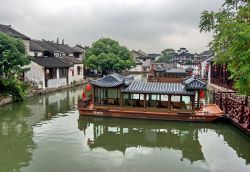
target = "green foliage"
x: 107, y: 55
x: 166, y: 56
x: 231, y: 41
x: 12, y: 59
x: 13, y: 87
x: 12, y: 56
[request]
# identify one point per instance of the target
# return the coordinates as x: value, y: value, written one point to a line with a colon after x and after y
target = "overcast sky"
x: 149, y: 25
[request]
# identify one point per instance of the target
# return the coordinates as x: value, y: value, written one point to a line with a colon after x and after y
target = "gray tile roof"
x: 176, y: 70
x: 38, y: 45
x: 113, y: 80
x: 194, y: 84
x: 157, y: 88
x: 51, y: 62
x: 72, y: 60
x: 153, y: 55
x: 78, y: 49
x: 207, y: 53
x: 10, y: 31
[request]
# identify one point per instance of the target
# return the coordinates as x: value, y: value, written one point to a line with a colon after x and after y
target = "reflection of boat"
x: 121, y: 134
x: 115, y: 96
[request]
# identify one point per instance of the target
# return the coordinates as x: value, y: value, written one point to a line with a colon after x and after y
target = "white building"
x: 48, y: 72
x: 76, y: 71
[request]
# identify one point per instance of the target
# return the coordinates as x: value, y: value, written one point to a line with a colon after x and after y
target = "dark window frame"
x: 78, y: 70
x: 52, y: 73
x: 62, y: 72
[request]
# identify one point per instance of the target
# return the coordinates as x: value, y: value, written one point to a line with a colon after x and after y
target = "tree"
x: 12, y: 59
x: 107, y: 55
x: 166, y: 56
x: 231, y: 41
x: 12, y: 56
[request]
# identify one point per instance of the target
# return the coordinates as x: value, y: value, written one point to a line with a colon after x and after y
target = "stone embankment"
x: 34, y: 92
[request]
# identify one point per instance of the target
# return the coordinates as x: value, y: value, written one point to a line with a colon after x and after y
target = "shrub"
x: 17, y: 89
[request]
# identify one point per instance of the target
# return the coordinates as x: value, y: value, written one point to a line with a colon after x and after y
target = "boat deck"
x: 209, y: 113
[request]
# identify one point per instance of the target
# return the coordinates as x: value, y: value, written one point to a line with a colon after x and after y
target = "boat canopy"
x: 159, y: 68
x: 157, y: 88
x: 192, y: 83
x: 113, y: 80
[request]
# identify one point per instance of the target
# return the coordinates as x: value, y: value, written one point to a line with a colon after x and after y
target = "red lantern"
x: 88, y: 87
x: 84, y: 96
x: 202, y: 94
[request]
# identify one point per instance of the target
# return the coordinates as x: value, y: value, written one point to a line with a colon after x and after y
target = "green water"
x: 46, y: 134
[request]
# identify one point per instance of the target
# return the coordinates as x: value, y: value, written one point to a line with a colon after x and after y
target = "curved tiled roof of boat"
x: 113, y: 80
x: 159, y: 68
x: 194, y: 83
x: 157, y: 88
x: 189, y: 69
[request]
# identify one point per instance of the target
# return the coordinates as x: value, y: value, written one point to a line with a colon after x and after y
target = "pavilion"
x: 118, y: 92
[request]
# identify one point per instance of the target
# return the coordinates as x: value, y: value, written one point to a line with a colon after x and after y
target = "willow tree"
x: 231, y: 40
x: 107, y: 55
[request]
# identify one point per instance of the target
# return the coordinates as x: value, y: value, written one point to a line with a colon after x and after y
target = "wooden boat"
x: 124, y: 104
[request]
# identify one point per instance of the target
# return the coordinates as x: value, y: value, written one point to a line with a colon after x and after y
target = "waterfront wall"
x: 6, y: 100
x: 32, y: 93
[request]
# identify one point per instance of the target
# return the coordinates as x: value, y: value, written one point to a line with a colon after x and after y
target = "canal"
x: 45, y: 133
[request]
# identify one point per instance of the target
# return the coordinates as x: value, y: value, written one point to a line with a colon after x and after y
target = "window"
x: 51, y: 73
x: 79, y: 70
x: 62, y: 73
x: 35, y: 54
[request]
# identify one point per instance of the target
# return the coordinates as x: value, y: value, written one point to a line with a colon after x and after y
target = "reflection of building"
x: 121, y: 134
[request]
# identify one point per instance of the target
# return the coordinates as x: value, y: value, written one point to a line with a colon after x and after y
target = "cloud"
x: 148, y: 25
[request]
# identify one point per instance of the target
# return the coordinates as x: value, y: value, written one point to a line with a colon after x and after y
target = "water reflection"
x: 16, y: 144
x: 44, y: 133
x: 17, y: 121
x: 120, y: 134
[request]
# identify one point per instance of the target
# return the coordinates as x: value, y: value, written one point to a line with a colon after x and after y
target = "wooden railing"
x: 235, y: 107
x: 222, y: 83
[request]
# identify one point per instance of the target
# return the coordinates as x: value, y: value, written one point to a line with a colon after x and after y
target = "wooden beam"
x: 121, y: 100
x: 144, y: 102
x: 169, y: 102
x: 198, y: 99
x: 93, y: 96
x: 193, y: 102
